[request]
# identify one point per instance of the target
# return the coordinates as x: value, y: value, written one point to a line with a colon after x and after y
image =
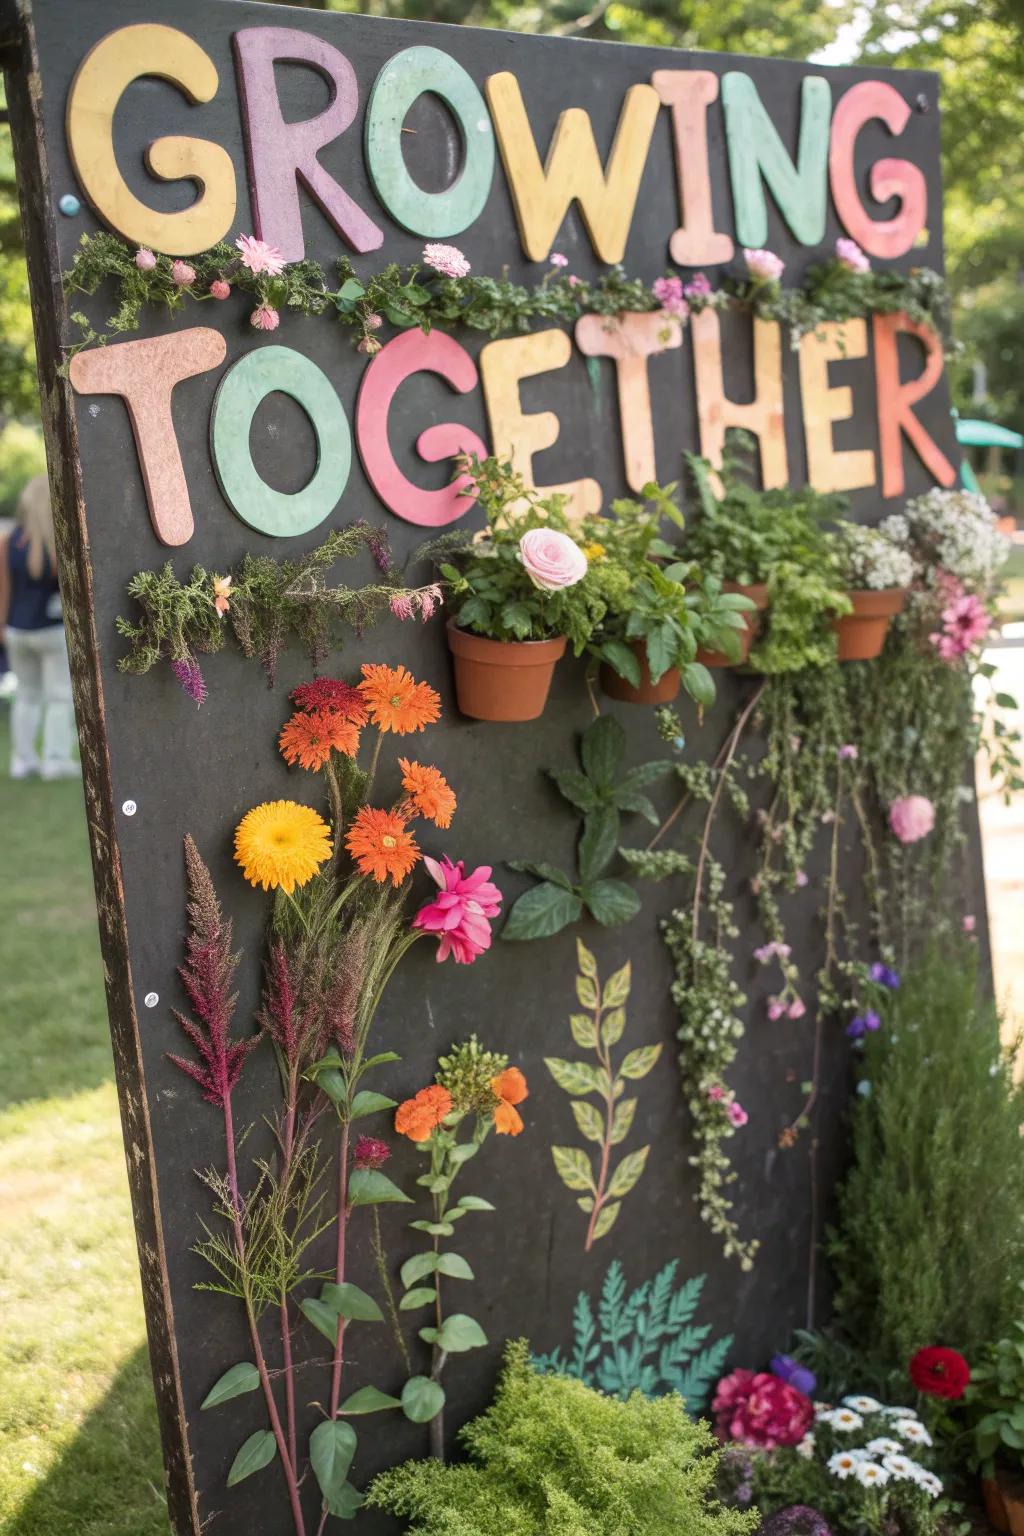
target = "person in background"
x: 32, y: 627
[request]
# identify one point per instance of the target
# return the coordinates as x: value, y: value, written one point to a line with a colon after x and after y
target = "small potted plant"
x: 995, y: 1404
x: 877, y: 573
x: 522, y: 591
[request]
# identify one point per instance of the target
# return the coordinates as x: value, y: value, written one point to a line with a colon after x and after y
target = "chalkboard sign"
x: 202, y: 437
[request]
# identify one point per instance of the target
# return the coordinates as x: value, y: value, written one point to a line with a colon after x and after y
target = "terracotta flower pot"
x: 861, y: 634
x: 758, y: 594
x: 502, y: 679
x: 661, y: 692
x: 1003, y: 1496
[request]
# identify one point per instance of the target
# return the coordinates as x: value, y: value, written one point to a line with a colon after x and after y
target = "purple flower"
x: 872, y: 1020
x: 744, y: 1493
x: 191, y: 678
x: 796, y: 1520
x: 884, y: 975
x: 793, y: 1374
x: 669, y: 293
x: 856, y: 1027
x: 697, y: 288
x: 847, y: 753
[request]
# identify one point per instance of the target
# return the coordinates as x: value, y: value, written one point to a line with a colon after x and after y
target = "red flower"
x: 371, y: 1153
x: 758, y: 1409
x: 940, y: 1372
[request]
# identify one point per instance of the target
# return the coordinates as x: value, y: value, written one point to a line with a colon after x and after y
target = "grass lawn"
x: 79, y: 1447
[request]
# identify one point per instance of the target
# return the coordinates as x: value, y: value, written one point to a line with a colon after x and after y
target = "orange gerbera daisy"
x: 429, y: 792
x: 419, y: 1116
x: 382, y: 845
x: 509, y: 1089
x: 309, y: 739
x: 396, y: 701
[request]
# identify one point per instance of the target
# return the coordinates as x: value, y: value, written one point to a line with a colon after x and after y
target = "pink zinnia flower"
x: 459, y: 913
x: 182, y: 274
x: 759, y: 1410
x: 401, y: 605
x: 965, y: 622
x: 698, y: 287
x: 669, y: 293
x: 764, y: 266
x: 144, y: 259
x: 446, y: 259
x: 850, y: 255
x: 558, y: 260
x: 737, y: 1114
x: 264, y: 318
x: 911, y: 817
x: 219, y: 289
x: 258, y: 256
x: 371, y: 1153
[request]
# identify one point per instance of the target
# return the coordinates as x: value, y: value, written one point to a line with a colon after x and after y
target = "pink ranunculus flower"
x: 551, y: 559
x: 182, y: 274
x: 669, y: 293
x: 446, y: 259
x: 765, y: 266
x: 759, y: 1410
x: 144, y: 259
x: 258, y: 256
x: 219, y: 289
x: 911, y: 817
x: 459, y: 913
x: 263, y: 318
x: 850, y: 255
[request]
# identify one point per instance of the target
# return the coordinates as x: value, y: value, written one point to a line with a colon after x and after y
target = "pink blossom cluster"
x: 669, y: 293
x: 781, y: 1008
x: 764, y: 266
x: 446, y: 259
x: 759, y: 1410
x: 422, y: 601
x: 772, y: 951
x: 459, y: 915
x: 698, y: 287
x: 735, y: 1113
x: 911, y: 817
x: 850, y: 255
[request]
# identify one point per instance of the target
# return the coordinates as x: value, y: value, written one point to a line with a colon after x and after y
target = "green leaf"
x: 380, y: 1060
x: 587, y: 992
x: 699, y: 683
x: 367, y: 1103
x: 542, y: 871
x: 622, y: 660
x: 368, y: 1186
x: 455, y: 1266
x: 348, y: 1301
x: 351, y: 289
x: 330, y: 1080
x: 611, y: 902
x: 541, y: 912
x: 612, y: 1026
x: 606, y: 1219
x: 422, y: 1399
x: 460, y: 1155
x: 346, y: 1503
x: 589, y: 1120
x: 599, y: 841
x: 415, y: 1268
x: 616, y: 988
x: 662, y: 647
x: 1006, y: 701
x: 257, y: 1452
x: 602, y: 749
x: 475, y: 1203
x: 622, y: 1120
x: 368, y: 1400
x: 332, y: 1446
x: 459, y: 1333
x: 433, y: 1228
x: 627, y: 1173
x: 573, y: 1167
x: 428, y: 1335
x: 243, y: 1377
x: 321, y: 1316
x: 584, y: 1031
x: 575, y: 1077
x: 575, y: 787
x: 419, y: 1296
x: 585, y: 960
x: 638, y: 1063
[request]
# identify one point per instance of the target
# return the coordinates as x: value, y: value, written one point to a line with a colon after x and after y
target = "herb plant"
x: 994, y: 1403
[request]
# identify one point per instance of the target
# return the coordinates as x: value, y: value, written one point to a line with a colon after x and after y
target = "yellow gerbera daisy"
x: 281, y: 844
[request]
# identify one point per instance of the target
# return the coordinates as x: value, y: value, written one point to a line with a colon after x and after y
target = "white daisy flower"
x: 821, y: 1410
x: 870, y: 1475
x: 862, y: 1404
x: 883, y: 1446
x: 899, y: 1413
x: 842, y: 1464
x: 845, y: 1420
x: 910, y: 1429
x: 929, y: 1482
x: 898, y: 1465
x: 806, y: 1447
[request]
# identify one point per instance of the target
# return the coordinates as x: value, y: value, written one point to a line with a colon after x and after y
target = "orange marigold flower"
x: 419, y: 1116
x: 309, y: 739
x: 509, y: 1089
x: 382, y: 845
x: 429, y: 791
x: 396, y: 701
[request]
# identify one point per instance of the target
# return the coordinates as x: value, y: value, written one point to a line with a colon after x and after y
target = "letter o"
x: 402, y: 80
x: 242, y: 390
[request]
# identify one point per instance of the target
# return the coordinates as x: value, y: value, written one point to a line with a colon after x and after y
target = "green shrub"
x: 21, y: 456
x: 551, y: 1457
x: 930, y: 1243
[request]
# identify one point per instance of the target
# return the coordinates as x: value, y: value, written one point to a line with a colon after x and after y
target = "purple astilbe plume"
x: 208, y: 974
x: 796, y: 1520
x: 189, y: 675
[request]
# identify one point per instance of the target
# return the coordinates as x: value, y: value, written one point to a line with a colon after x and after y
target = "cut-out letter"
x: 689, y: 93
x: 896, y: 401
x: 415, y: 351
x: 104, y: 75
x: 281, y: 154
x: 403, y: 79
x: 757, y: 156
x: 874, y: 100
x: 573, y: 170
x: 630, y: 340
x: 829, y: 469
x: 242, y: 391
x: 144, y: 373
x: 763, y: 415
x: 517, y: 435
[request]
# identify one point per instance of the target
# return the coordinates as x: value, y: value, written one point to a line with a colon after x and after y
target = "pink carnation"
x: 669, y: 293
x: 911, y: 817
x: 551, y: 559
x: 258, y: 256
x: 764, y: 266
x: 219, y: 289
x: 759, y: 1410
x: 264, y: 318
x: 850, y: 255
x: 446, y: 259
x: 144, y: 259
x: 459, y: 913
x: 182, y: 274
